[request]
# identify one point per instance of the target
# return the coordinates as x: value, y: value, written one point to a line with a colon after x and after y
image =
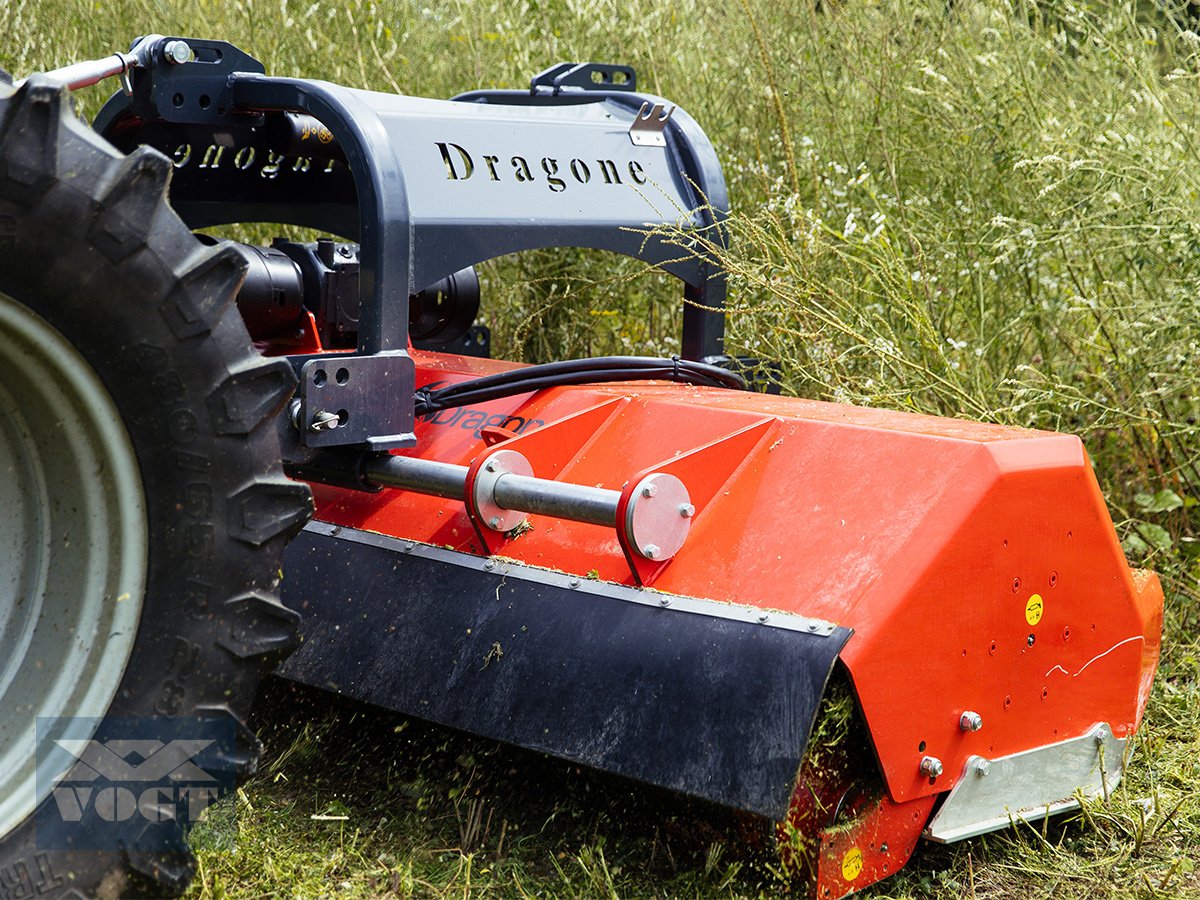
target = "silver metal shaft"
x: 82, y: 74
x: 424, y: 476
x: 576, y: 502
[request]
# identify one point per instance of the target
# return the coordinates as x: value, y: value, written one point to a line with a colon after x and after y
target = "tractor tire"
x: 143, y: 508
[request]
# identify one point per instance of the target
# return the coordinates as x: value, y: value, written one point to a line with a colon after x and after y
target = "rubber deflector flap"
x: 709, y: 706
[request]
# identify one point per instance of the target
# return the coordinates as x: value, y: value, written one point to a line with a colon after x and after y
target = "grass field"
x: 983, y: 209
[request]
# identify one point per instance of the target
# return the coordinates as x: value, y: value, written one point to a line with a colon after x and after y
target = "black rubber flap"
x: 709, y: 706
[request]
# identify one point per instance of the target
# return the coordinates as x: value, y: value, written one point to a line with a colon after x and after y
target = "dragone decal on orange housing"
x: 474, y: 420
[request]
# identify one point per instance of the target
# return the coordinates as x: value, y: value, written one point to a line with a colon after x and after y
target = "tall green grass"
x: 985, y: 208
x: 990, y: 213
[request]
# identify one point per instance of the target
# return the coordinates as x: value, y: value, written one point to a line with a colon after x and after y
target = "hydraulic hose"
x: 575, y: 371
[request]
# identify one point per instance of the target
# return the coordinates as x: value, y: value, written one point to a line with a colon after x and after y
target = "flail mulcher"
x: 864, y: 626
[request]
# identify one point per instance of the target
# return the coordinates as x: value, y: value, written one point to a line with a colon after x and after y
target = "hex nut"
x: 970, y: 721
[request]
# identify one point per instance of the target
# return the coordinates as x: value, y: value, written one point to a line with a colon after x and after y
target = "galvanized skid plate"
x: 706, y: 698
x: 1029, y: 786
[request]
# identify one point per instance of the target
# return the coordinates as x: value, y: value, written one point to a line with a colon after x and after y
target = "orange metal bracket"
x: 704, y: 471
x: 550, y: 447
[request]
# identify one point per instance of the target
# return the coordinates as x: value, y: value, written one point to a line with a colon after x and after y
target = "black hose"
x: 575, y: 371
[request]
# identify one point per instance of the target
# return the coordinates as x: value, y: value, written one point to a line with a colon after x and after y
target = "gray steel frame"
x: 428, y: 187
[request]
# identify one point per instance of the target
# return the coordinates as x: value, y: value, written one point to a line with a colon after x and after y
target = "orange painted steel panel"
x: 875, y: 846
x: 977, y: 564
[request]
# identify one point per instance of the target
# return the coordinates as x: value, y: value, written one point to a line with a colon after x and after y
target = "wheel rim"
x: 71, y: 592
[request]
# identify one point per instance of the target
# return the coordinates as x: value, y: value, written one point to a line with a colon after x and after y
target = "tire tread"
x: 118, y: 243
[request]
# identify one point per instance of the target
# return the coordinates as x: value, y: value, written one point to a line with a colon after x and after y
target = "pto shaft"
x: 510, y: 491
x: 503, y: 490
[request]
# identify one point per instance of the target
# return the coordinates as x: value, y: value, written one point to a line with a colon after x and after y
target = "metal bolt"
x: 489, y: 565
x: 494, y: 522
x: 1029, y: 640
x: 323, y: 420
x: 763, y: 617
x: 982, y: 768
x: 970, y: 721
x: 931, y: 766
x: 650, y: 490
x: 490, y: 466
x: 408, y: 546
x: 574, y: 582
x: 650, y: 551
x: 177, y: 52
x: 687, y: 510
x: 664, y: 601
x: 883, y: 848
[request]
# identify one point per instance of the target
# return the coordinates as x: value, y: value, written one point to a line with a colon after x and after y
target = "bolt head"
x: 931, y: 766
x: 651, y: 551
x: 490, y: 466
x: 687, y: 510
x: 649, y: 490
x: 982, y: 768
x: 763, y: 617
x: 970, y: 721
x: 494, y: 522
x: 177, y: 52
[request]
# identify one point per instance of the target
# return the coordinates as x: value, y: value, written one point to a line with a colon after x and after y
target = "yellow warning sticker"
x: 1034, y: 609
x: 852, y: 864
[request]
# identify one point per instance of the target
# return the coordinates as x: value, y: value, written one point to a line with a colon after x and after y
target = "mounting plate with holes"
x: 357, y: 400
x: 195, y: 91
x: 571, y: 77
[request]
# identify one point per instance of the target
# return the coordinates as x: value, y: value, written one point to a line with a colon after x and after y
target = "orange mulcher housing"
x: 995, y: 621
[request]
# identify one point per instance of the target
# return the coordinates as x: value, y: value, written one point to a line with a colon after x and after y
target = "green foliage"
x: 363, y: 803
x: 984, y: 209
x: 995, y: 219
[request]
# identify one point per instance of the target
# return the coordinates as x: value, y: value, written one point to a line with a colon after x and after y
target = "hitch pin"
x: 83, y: 74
